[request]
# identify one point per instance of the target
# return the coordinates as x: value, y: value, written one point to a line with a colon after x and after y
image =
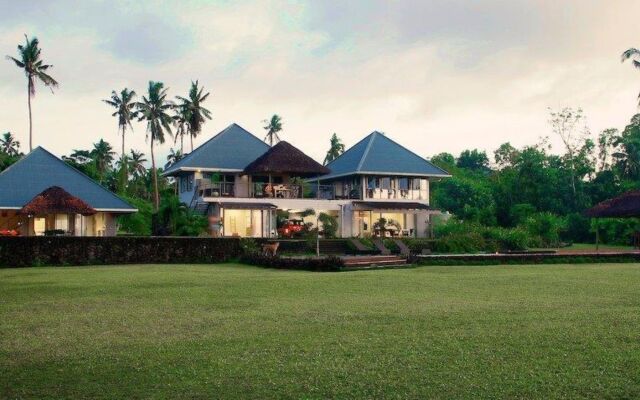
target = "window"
x: 415, y: 184
x: 186, y: 183
x: 385, y: 183
x: 372, y: 182
x: 403, y: 183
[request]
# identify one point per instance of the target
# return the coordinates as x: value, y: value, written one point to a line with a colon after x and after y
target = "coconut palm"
x: 194, y: 111
x: 154, y: 108
x: 9, y: 145
x: 35, y: 70
x: 124, y: 110
x: 181, y: 118
x: 335, y: 149
x: 274, y: 125
x: 136, y: 164
x: 103, y: 155
x: 634, y: 55
x: 173, y: 157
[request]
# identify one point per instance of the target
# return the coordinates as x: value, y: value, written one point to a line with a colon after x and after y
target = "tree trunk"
x: 156, y: 195
x: 124, y: 178
x: 30, y: 121
x: 182, y: 143
x: 191, y: 136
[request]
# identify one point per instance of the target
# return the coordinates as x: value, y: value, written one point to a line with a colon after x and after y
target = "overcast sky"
x: 433, y: 75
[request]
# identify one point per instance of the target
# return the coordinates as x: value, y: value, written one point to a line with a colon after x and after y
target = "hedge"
x: 42, y: 250
x: 521, y: 259
x: 324, y: 264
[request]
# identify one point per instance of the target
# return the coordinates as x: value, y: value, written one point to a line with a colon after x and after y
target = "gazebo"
x: 627, y: 205
x: 55, y: 201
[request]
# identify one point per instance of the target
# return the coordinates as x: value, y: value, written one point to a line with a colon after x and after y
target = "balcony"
x: 270, y: 191
x: 397, y: 194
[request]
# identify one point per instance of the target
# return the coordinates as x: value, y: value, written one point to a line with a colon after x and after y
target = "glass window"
x: 372, y: 182
x: 385, y: 183
x: 403, y: 183
x: 415, y: 184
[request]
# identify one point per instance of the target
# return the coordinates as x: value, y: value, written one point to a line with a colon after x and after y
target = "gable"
x: 231, y: 149
x: 40, y: 170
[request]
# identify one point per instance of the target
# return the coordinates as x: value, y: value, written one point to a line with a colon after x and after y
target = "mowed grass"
x: 232, y: 331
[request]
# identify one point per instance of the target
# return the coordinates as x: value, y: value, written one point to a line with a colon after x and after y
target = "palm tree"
x: 194, y: 111
x: 103, y: 155
x: 35, y: 70
x: 155, y: 110
x: 181, y: 118
x: 173, y: 157
x: 634, y: 55
x: 9, y: 145
x: 274, y: 125
x: 125, y: 111
x: 136, y: 164
x: 335, y: 149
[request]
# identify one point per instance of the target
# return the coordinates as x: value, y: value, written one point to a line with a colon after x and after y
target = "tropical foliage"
x: 192, y: 113
x: 336, y: 148
x: 274, y: 125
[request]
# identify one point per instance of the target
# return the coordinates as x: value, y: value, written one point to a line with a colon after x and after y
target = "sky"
x: 434, y: 75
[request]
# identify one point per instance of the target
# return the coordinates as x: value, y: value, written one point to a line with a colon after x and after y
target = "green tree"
x: 154, y: 109
x: 9, y: 145
x: 173, y: 157
x: 181, y: 118
x: 632, y: 54
x: 474, y: 160
x: 124, y: 105
x: 194, y: 111
x: 274, y: 125
x: 103, y: 155
x: 336, y: 148
x: 136, y: 164
x: 29, y: 60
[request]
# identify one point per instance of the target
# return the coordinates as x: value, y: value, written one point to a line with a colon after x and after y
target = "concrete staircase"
x: 372, y: 262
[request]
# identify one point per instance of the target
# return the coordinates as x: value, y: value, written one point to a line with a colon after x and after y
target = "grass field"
x: 233, y: 331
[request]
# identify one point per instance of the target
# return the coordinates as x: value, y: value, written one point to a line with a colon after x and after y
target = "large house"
x: 41, y: 194
x: 240, y: 183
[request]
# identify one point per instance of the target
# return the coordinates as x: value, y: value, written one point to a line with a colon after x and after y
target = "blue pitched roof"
x: 377, y: 154
x: 39, y: 170
x: 232, y: 149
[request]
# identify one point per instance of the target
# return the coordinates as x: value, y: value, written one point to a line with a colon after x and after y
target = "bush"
x: 577, y: 229
x: 460, y: 237
x: 546, y: 227
x: 325, y: 264
x: 65, y: 250
x: 329, y: 225
x: 616, y: 230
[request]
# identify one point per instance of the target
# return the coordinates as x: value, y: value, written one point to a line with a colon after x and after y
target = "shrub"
x: 546, y: 227
x: 577, y: 229
x: 329, y: 225
x: 616, y: 230
x: 325, y: 264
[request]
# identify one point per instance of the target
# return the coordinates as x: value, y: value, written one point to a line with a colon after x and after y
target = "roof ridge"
x: 372, y: 136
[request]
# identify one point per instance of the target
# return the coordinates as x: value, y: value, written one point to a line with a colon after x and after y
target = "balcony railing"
x: 268, y: 190
x: 397, y: 194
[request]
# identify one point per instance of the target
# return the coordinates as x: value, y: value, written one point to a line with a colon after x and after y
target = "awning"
x: 389, y: 205
x: 247, y: 206
x: 626, y: 205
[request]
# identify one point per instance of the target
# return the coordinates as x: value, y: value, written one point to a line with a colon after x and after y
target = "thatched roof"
x: 283, y: 158
x: 56, y: 200
x: 624, y: 206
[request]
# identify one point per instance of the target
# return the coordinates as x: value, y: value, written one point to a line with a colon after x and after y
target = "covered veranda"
x: 627, y: 205
x: 402, y: 219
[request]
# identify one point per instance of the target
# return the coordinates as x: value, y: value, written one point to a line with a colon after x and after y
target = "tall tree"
x: 35, y: 70
x: 9, y: 145
x: 125, y: 111
x: 274, y: 125
x: 336, y: 148
x: 570, y: 126
x: 181, y: 118
x: 634, y: 55
x: 154, y: 108
x: 194, y: 112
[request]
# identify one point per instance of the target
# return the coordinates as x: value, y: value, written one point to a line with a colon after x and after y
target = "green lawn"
x: 232, y: 331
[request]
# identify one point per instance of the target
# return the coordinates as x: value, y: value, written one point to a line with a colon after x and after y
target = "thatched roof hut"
x: 56, y: 200
x: 626, y: 205
x: 283, y: 158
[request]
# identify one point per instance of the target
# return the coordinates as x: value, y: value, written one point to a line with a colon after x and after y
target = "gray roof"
x: 39, y: 170
x: 377, y: 154
x: 232, y: 149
